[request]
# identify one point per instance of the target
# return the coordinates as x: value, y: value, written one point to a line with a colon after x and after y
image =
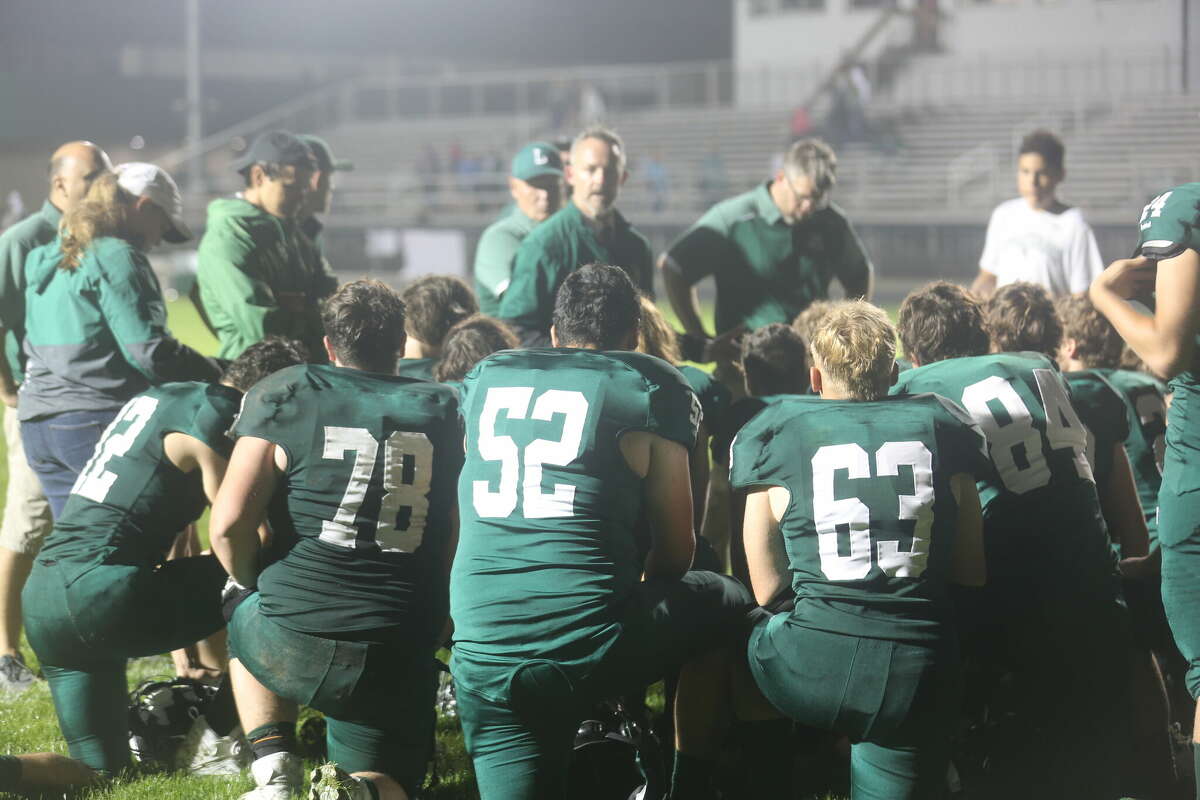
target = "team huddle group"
x: 959, y: 564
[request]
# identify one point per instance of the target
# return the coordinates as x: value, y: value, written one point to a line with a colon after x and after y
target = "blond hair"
x: 102, y: 212
x: 655, y: 336
x: 855, y: 347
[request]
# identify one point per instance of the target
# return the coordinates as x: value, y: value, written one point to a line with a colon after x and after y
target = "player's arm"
x: 967, y: 566
x: 1165, y: 340
x: 668, y: 496
x: 1121, y: 507
x: 855, y: 272
x: 700, y: 470
x: 766, y: 559
x: 241, y: 506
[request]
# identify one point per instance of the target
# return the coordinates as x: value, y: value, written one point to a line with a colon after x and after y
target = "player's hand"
x: 727, y: 346
x: 1127, y: 277
x: 199, y: 672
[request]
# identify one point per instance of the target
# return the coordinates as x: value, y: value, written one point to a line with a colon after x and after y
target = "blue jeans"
x: 58, y: 447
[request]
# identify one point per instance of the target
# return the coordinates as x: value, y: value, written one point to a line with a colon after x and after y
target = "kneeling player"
x: 100, y: 592
x: 1051, y: 612
x: 348, y: 620
x: 866, y: 506
x: 566, y: 448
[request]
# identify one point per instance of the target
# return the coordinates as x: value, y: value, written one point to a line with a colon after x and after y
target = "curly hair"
x: 655, y: 336
x: 261, y: 359
x: 1097, y: 343
x: 941, y: 320
x: 775, y: 361
x: 435, y: 304
x: 102, y: 212
x: 597, y: 306
x: 1021, y: 316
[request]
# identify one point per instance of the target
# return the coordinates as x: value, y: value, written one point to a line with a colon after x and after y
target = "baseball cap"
x: 536, y: 159
x: 324, y: 155
x: 153, y: 183
x: 275, y: 147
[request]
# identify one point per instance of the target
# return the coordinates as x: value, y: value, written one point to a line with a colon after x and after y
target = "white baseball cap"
x: 153, y: 183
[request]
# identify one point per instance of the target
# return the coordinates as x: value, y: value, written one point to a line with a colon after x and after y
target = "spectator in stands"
x: 433, y: 305
x: 536, y: 185
x: 320, y: 197
x: 589, y: 229
x: 73, y: 168
x: 96, y: 324
x: 1036, y: 237
x: 258, y: 275
x: 773, y: 251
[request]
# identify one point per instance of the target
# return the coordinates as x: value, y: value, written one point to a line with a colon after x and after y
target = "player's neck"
x: 415, y: 348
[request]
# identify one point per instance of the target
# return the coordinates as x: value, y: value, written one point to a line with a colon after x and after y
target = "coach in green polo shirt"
x: 536, y: 185
x: 773, y: 250
x: 589, y: 229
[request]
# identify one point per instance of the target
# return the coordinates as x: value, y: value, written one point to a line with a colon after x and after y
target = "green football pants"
x: 84, y: 621
x: 896, y: 701
x: 378, y: 699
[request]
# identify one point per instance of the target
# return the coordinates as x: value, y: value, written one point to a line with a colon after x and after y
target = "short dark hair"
x: 941, y: 320
x: 1046, y: 145
x: 1020, y: 316
x: 1097, y: 343
x: 261, y: 359
x: 434, y: 304
x: 364, y: 321
x: 468, y: 343
x: 775, y: 360
x: 271, y: 169
x: 597, y: 306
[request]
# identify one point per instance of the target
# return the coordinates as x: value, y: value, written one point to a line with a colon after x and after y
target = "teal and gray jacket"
x: 15, y: 245
x: 96, y: 335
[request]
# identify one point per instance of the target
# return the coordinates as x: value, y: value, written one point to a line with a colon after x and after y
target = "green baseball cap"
x: 324, y: 155
x: 536, y: 159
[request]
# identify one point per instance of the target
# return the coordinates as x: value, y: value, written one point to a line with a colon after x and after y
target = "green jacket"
x: 258, y: 276
x: 96, y: 335
x: 15, y: 245
x: 552, y: 251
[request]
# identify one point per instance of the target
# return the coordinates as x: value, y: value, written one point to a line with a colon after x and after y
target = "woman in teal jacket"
x: 96, y: 323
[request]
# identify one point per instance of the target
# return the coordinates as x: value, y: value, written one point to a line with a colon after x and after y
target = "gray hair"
x: 813, y: 159
x: 606, y: 135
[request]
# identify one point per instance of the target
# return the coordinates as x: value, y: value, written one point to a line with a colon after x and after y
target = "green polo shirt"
x: 556, y: 248
x: 494, y: 258
x: 767, y: 270
x: 16, y: 242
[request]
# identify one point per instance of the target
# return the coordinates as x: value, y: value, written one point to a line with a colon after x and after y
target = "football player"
x: 432, y: 306
x: 347, y: 621
x: 1021, y: 317
x: 100, y: 592
x: 468, y: 343
x: 865, y: 506
x: 1167, y: 265
x: 1051, y: 611
x: 553, y: 609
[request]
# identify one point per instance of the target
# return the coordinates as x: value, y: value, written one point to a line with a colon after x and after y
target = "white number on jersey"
x: 96, y: 479
x: 514, y: 402
x: 402, y: 448
x: 1153, y: 209
x: 1063, y: 429
x: 853, y: 513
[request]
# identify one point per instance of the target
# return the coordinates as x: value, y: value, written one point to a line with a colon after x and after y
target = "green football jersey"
x: 713, y: 395
x: 419, y: 368
x: 1146, y: 417
x: 1040, y: 507
x: 870, y: 527
x: 130, y: 501
x: 371, y: 465
x: 1102, y: 411
x: 1170, y: 223
x: 547, y: 550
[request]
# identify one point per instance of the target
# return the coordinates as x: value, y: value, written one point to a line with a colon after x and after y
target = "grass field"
x: 28, y: 724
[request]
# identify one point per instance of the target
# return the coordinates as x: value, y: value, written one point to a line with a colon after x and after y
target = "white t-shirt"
x: 1057, y: 251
